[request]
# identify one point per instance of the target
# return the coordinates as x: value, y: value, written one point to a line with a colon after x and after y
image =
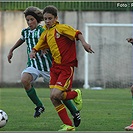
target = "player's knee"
x: 55, y: 97
x: 24, y: 81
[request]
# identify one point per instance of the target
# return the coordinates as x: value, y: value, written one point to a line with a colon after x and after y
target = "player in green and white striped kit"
x: 40, y: 66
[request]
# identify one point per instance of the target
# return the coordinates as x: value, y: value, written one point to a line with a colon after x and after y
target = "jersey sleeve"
x: 22, y: 35
x: 68, y: 31
x: 41, y: 45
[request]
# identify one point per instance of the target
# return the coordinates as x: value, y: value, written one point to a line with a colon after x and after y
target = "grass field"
x: 103, y: 110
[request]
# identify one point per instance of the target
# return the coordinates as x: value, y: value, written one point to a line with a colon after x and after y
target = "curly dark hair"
x: 35, y: 12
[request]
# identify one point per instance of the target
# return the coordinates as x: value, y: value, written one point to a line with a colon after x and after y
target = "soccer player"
x: 40, y: 66
x: 60, y: 39
x: 130, y: 127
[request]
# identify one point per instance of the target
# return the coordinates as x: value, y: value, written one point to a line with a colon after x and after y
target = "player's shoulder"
x: 63, y: 26
x: 25, y: 29
x: 41, y: 28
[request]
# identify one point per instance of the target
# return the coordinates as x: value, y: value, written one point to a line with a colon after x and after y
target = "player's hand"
x: 87, y: 47
x: 45, y: 51
x: 10, y: 55
x: 32, y: 54
x: 130, y: 40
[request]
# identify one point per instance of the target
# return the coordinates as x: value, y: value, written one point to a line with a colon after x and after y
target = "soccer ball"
x: 3, y: 118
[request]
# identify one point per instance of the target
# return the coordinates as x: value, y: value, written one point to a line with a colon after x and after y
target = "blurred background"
x: 107, y: 24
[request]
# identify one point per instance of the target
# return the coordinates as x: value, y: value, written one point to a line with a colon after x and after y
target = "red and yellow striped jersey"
x: 60, y: 39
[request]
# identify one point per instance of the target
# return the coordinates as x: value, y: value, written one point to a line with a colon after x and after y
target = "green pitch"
x: 103, y: 110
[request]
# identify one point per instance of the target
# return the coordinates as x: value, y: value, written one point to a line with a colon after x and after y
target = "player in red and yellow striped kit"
x: 60, y: 39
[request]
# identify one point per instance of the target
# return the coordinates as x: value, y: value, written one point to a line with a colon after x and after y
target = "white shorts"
x: 37, y: 73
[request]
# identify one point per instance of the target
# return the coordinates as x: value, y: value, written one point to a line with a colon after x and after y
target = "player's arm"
x: 72, y: 33
x: 17, y: 44
x: 130, y: 40
x: 86, y: 46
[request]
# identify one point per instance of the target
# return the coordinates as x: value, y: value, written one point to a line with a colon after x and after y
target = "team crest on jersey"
x: 57, y: 35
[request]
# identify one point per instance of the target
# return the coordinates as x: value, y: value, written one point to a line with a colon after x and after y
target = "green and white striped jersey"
x: 42, y: 62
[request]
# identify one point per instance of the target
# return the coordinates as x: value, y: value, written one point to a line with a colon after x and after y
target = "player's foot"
x: 77, y: 119
x: 129, y: 128
x: 38, y: 111
x: 66, y: 128
x: 78, y: 100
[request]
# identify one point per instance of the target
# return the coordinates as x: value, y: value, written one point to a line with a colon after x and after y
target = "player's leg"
x: 71, y: 106
x: 130, y: 127
x: 66, y: 96
x: 68, y: 103
x: 27, y: 78
x: 76, y: 94
x: 74, y: 111
x: 61, y: 80
x: 56, y: 85
x: 55, y: 96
